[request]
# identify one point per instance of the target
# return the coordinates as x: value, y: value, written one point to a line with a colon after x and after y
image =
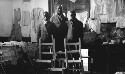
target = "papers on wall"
x: 120, y: 22
x: 25, y: 31
x: 16, y: 29
x: 82, y: 17
x: 36, y: 16
x: 17, y: 15
x: 25, y: 18
x: 26, y: 0
x: 94, y: 25
x: 73, y: 0
x: 92, y: 10
x: 33, y: 34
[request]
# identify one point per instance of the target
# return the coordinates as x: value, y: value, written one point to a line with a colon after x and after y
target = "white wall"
x: 6, y: 15
x: 28, y: 6
x: 7, y: 9
x: 41, y: 3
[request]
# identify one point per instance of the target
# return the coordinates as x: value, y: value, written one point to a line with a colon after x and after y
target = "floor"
x: 13, y: 69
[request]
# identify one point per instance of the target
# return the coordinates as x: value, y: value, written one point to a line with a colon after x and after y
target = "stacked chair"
x: 46, y: 55
x: 60, y: 65
x: 75, y: 65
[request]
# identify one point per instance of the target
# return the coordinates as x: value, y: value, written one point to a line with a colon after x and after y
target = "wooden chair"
x: 72, y: 51
x: 63, y: 68
x: 52, y: 44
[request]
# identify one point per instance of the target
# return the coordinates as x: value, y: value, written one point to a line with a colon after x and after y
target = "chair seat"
x: 60, y: 58
x: 60, y: 52
x: 75, y: 69
x: 46, y: 43
x: 73, y: 51
x: 57, y: 69
x: 72, y: 43
x: 46, y: 52
x: 74, y: 61
x: 43, y: 61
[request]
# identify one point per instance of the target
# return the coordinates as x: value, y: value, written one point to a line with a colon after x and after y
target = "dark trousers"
x: 59, y: 44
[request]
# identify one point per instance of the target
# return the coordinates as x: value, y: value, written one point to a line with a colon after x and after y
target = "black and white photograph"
x: 62, y: 36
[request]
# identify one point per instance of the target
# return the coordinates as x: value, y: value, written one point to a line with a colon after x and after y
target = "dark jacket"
x: 59, y: 30
x: 75, y: 30
x: 59, y: 27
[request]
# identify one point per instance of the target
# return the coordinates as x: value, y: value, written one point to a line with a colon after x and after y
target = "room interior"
x: 102, y: 48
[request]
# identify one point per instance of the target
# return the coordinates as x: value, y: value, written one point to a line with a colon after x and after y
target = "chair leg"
x: 2, y: 69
